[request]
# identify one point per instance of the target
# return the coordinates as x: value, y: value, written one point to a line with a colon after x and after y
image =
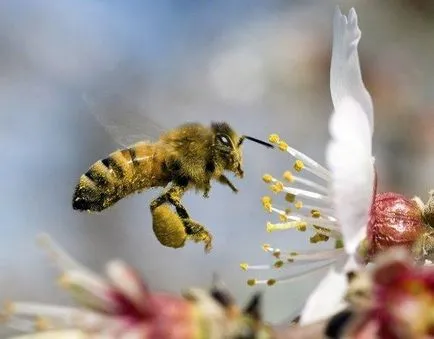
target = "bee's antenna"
x: 264, y: 143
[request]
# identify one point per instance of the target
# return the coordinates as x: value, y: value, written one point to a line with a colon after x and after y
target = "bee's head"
x: 227, y: 144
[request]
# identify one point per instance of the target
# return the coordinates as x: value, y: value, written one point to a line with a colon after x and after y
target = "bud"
x: 395, y: 221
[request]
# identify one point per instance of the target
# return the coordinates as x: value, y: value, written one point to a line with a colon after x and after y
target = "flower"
x: 393, y: 300
x: 121, y: 306
x: 342, y: 202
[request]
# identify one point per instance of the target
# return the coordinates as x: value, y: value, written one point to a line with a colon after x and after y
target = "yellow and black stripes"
x: 106, y: 182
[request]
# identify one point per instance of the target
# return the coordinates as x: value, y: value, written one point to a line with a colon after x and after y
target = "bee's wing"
x: 121, y: 115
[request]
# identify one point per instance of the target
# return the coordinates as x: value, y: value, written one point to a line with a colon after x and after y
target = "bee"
x: 186, y: 157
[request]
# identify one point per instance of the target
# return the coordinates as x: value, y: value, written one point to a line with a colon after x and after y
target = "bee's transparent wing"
x: 119, y: 110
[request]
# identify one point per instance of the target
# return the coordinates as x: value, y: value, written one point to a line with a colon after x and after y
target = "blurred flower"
x: 123, y: 307
x: 394, y: 300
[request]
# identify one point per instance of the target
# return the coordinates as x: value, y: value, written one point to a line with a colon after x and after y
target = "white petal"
x: 345, y: 76
x: 326, y: 299
x: 349, y: 159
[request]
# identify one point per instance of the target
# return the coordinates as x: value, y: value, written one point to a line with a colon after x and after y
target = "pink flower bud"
x: 395, y: 221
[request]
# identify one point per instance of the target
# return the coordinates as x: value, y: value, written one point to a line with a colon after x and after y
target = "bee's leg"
x: 198, y: 233
x: 194, y: 230
x: 225, y: 181
x: 207, y: 189
x: 173, y: 196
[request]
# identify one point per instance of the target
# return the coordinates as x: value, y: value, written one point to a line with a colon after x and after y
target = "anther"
x: 251, y: 282
x: 244, y: 266
x: 271, y: 282
x: 298, y: 165
x: 276, y: 253
x: 339, y: 243
x: 283, y: 146
x: 274, y: 138
x: 287, y: 175
x: 301, y: 226
x: 315, y: 213
x: 298, y: 205
x: 283, y: 217
x: 289, y: 197
x: 277, y: 187
x: 268, y: 178
x: 278, y: 264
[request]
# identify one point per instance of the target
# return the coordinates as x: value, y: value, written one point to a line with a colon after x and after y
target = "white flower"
x: 342, y: 201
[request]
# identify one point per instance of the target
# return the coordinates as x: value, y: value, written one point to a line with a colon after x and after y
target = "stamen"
x: 328, y: 224
x: 62, y: 259
x: 289, y: 278
x: 89, y: 290
x: 309, y: 256
x: 279, y: 187
x: 288, y: 176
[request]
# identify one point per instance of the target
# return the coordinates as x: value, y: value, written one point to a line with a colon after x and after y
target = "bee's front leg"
x: 225, y: 181
x: 207, y: 189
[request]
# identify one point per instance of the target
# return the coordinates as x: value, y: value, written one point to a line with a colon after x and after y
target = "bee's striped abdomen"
x: 111, y: 179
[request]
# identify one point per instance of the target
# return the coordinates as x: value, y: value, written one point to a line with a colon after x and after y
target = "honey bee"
x: 189, y: 156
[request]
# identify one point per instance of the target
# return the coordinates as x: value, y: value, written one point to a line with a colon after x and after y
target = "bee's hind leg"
x: 194, y: 230
x: 198, y: 233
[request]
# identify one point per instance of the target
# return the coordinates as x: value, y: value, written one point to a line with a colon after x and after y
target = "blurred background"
x: 263, y: 66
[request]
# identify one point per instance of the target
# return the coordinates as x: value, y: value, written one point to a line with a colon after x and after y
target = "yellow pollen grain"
x: 289, y: 197
x: 251, y: 282
x: 244, y: 266
x: 298, y: 204
x: 267, y: 178
x: 274, y: 138
x: 315, y: 214
x: 283, y: 146
x: 271, y: 282
x: 301, y: 226
x: 277, y: 187
x: 278, y: 264
x: 298, y: 165
x: 287, y: 175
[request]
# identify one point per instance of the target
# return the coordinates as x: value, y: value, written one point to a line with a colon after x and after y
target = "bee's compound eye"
x: 224, y: 140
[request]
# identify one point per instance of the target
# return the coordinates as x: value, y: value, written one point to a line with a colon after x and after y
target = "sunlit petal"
x: 345, y: 76
x: 326, y: 299
x: 352, y: 171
